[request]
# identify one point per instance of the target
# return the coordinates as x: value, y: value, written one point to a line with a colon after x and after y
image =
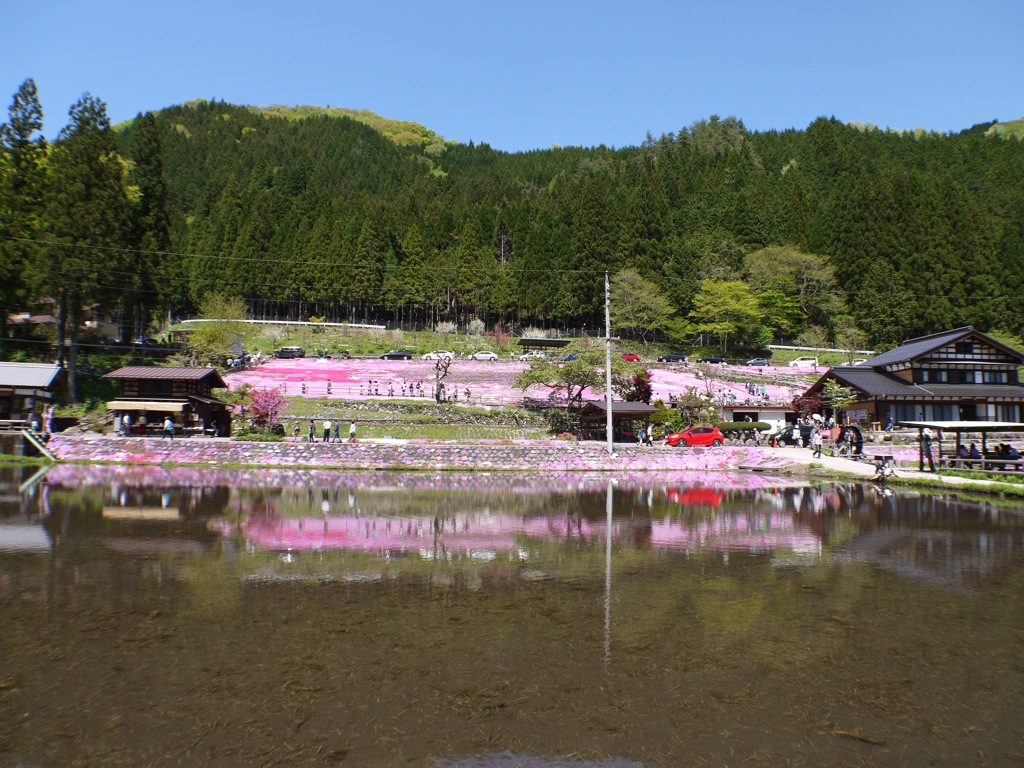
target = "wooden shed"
x: 184, y: 394
x: 626, y: 417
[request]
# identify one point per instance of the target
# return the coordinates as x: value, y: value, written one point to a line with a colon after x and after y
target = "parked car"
x: 758, y: 362
x: 533, y: 354
x: 714, y: 360
x: 146, y: 342
x: 484, y: 354
x: 672, y: 357
x: 696, y: 436
x: 804, y: 362
x: 632, y: 357
x: 438, y: 354
x: 792, y: 434
x: 397, y: 354
x: 286, y: 353
x: 858, y: 362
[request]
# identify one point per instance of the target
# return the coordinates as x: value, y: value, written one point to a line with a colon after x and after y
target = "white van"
x: 804, y: 362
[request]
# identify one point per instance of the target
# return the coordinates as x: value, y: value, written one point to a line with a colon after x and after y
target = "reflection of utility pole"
x: 608, y: 364
x: 608, y: 576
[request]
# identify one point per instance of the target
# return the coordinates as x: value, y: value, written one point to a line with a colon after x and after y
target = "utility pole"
x: 608, y: 363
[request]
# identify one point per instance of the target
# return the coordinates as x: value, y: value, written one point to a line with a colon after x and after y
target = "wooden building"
x: 957, y: 375
x: 626, y: 417
x: 184, y: 394
x: 27, y: 388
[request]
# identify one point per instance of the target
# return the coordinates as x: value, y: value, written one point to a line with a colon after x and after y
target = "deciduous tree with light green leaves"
x: 638, y: 305
x: 808, y: 279
x: 569, y: 380
x: 726, y: 309
x: 220, y: 335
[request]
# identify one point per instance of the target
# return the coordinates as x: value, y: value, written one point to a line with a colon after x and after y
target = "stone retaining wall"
x: 548, y: 455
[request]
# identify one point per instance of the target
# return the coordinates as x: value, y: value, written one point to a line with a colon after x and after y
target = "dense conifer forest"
x: 829, y: 231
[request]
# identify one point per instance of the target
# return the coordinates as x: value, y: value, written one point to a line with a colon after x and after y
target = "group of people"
x: 645, y: 436
x: 123, y: 426
x: 410, y: 389
x: 331, y: 431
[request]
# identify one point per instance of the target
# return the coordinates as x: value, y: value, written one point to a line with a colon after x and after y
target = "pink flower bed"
x: 486, y: 381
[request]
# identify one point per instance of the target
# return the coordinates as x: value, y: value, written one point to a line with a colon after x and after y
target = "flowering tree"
x: 265, y: 405
x: 633, y: 388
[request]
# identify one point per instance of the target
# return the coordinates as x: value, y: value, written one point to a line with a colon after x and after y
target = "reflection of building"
x: 958, y: 375
x: 184, y: 394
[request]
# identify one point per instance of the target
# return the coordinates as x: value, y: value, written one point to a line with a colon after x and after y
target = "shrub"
x: 246, y: 436
x: 730, y: 427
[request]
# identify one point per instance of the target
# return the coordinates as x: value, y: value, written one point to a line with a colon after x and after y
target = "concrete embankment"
x: 404, y: 455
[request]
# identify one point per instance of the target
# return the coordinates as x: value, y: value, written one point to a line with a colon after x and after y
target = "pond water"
x: 154, y: 617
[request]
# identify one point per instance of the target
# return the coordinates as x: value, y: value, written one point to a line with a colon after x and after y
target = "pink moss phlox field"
x: 487, y: 381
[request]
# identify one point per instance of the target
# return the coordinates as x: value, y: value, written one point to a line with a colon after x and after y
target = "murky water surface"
x: 153, y: 617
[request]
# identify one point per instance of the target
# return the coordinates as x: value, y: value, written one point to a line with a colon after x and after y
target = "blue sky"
x: 528, y: 74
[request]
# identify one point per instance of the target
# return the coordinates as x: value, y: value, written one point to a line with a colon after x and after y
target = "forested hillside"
x: 744, y: 234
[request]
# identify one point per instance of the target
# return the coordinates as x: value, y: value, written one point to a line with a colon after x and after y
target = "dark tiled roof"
x: 155, y: 373
x: 618, y: 407
x: 881, y: 384
x: 914, y: 348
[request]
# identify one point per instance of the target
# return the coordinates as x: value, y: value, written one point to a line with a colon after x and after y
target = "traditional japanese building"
x: 185, y: 394
x: 958, y: 375
x: 27, y: 388
x: 626, y: 417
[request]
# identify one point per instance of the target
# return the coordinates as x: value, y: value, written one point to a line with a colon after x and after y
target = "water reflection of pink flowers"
x: 475, y: 533
x: 741, y: 531
x: 465, y: 533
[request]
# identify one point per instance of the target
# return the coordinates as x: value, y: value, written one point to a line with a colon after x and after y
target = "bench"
x: 990, y: 463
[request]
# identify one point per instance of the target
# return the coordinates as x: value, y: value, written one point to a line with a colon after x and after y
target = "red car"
x: 632, y: 357
x: 696, y: 436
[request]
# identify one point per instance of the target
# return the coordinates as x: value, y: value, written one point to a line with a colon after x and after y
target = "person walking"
x: 327, y: 430
x: 926, y: 449
x: 126, y: 425
x: 168, y: 428
x: 335, y: 436
x: 352, y: 433
x: 816, y: 442
x: 650, y: 435
x: 312, y: 431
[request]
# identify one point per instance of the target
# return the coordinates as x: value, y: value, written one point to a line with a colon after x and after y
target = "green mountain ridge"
x: 408, y: 133
x: 336, y: 213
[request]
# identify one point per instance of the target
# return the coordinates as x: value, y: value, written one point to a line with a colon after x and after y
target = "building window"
x: 994, y: 377
x: 933, y: 376
x: 965, y: 347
